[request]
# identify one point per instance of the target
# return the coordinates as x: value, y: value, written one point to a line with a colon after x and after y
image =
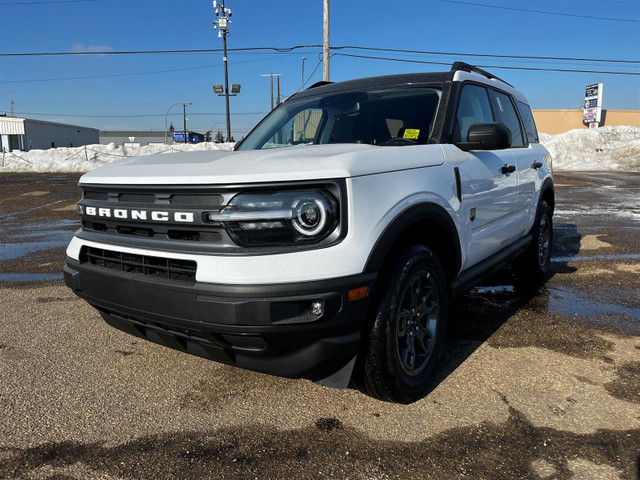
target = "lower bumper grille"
x: 157, y: 267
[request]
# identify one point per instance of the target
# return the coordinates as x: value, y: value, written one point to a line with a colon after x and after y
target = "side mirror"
x: 486, y: 136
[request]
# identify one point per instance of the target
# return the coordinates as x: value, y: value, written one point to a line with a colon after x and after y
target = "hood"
x: 221, y: 167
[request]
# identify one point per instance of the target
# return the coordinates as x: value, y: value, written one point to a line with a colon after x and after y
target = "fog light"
x: 316, y: 308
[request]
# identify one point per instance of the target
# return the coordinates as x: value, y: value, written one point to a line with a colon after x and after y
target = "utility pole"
x: 271, y: 75
x: 303, y: 59
x: 325, y: 43
x: 223, y: 25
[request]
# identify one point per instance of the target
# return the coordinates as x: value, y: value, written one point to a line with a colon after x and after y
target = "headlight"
x: 279, y: 218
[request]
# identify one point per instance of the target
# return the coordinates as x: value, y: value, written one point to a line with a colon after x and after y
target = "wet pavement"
x: 542, y: 384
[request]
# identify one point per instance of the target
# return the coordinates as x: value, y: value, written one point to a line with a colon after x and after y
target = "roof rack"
x: 465, y: 67
x: 319, y: 84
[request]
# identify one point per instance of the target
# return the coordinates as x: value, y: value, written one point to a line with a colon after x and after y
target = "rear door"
x: 524, y: 158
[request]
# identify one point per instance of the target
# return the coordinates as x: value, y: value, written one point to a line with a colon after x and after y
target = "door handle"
x: 506, y: 168
x: 536, y: 165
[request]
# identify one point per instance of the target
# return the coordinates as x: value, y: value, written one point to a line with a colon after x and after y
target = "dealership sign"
x: 592, y: 112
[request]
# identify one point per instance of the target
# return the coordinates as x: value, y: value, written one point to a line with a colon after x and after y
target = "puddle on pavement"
x: 29, y: 277
x: 570, y: 303
x: 590, y: 258
x: 12, y: 251
x: 564, y: 302
x: 44, y: 229
x: 52, y: 234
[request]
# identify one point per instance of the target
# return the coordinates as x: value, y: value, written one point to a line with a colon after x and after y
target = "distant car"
x: 328, y: 245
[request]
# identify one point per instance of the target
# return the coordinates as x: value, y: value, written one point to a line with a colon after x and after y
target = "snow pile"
x: 605, y: 148
x: 86, y: 158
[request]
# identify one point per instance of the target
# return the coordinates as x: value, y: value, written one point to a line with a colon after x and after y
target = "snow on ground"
x: 86, y: 158
x: 606, y: 148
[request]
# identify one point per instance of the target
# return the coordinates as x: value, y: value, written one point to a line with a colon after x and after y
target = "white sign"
x: 131, y: 139
x: 592, y: 112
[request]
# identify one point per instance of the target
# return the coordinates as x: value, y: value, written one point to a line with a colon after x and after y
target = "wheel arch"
x: 547, y: 193
x: 428, y: 224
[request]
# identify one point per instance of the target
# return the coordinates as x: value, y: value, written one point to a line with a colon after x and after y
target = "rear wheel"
x: 408, y: 330
x: 534, y: 265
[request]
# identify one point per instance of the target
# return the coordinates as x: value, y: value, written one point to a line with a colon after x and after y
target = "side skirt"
x: 472, y: 276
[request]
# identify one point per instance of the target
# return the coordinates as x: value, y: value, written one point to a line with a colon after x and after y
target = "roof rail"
x: 465, y: 67
x: 319, y: 84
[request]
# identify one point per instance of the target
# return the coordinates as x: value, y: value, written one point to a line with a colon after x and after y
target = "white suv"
x: 329, y: 243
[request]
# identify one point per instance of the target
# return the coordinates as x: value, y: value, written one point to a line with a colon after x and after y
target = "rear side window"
x: 474, y: 107
x: 507, y: 115
x: 528, y: 122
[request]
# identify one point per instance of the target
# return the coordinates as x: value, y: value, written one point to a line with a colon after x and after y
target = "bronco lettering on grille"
x: 153, y: 215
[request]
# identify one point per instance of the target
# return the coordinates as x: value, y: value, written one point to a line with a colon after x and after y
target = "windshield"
x: 401, y: 116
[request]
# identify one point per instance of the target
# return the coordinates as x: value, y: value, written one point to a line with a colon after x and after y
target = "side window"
x: 507, y: 115
x: 528, y: 121
x: 474, y: 107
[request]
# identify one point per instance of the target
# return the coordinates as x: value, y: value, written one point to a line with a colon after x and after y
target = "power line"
x: 110, y: 75
x: 530, y: 69
x: 143, y: 115
x: 541, y: 11
x: 160, y: 52
x: 518, y: 57
x: 288, y: 50
x: 40, y: 2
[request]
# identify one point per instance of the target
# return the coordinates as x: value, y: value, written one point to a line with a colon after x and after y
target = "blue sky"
x: 134, y: 91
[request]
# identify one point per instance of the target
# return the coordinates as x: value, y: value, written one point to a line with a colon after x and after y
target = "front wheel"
x: 408, y: 330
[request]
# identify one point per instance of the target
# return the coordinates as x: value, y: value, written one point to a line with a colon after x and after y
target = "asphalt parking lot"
x: 542, y: 385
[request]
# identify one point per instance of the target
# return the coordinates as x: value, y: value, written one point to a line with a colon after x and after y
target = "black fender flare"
x: 547, y: 185
x: 424, y: 212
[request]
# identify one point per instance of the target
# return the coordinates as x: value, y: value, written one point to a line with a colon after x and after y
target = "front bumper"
x: 265, y: 328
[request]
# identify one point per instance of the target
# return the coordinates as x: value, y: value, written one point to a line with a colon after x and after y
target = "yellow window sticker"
x: 411, y: 133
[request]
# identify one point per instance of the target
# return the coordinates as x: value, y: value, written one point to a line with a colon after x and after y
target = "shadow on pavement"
x: 478, y: 314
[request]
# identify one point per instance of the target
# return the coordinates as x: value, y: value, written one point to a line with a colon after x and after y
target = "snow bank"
x: 606, y: 148
x: 84, y: 159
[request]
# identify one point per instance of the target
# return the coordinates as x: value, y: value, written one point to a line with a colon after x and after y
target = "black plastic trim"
x: 456, y: 171
x: 472, y: 276
x: 429, y: 212
x: 266, y: 328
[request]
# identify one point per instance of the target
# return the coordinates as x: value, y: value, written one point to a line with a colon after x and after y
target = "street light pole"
x: 223, y: 25
x: 184, y: 119
x: 165, y: 118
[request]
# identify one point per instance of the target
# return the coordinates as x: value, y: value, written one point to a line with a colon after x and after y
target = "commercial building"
x: 554, y: 122
x: 134, y: 138
x: 26, y: 134
x: 138, y: 138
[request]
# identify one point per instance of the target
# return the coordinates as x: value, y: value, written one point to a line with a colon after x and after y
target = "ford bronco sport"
x: 328, y: 245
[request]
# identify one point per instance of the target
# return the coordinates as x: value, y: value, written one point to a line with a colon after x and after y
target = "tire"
x: 535, y: 263
x: 408, y: 329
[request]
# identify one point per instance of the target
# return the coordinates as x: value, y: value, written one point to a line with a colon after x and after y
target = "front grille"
x: 157, y: 267
x: 119, y: 203
x: 208, y: 201
x: 137, y: 198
